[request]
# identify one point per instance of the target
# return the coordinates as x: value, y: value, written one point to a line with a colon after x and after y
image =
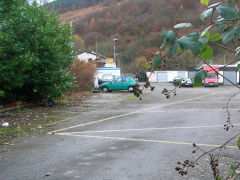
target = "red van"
x: 212, y: 77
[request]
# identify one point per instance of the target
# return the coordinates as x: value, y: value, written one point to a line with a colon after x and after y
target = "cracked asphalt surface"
x: 112, y: 138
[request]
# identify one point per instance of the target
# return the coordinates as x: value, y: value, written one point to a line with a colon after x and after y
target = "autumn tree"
x: 92, y: 23
x: 78, y: 43
x: 140, y: 64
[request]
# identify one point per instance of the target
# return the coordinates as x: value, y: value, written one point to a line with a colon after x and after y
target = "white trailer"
x: 105, y: 71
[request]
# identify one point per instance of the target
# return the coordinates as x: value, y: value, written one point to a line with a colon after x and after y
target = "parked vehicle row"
x: 110, y: 82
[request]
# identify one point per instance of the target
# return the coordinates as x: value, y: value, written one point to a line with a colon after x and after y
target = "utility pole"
x: 114, y: 50
x: 96, y: 46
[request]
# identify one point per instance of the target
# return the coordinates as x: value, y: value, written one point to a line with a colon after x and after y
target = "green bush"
x: 35, y: 52
x: 2, y: 94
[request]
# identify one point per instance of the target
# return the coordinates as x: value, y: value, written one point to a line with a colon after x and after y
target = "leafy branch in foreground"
x: 222, y: 30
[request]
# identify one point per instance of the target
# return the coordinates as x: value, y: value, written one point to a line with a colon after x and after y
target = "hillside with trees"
x: 137, y: 24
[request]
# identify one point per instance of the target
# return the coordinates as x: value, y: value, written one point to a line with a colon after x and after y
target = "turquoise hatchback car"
x: 120, y: 83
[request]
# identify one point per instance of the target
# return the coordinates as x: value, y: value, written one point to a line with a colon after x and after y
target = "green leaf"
x: 2, y: 93
x: 164, y: 33
x: 237, y: 29
x: 237, y: 176
x: 181, y: 25
x: 221, y: 24
x: 170, y: 36
x: 146, y: 85
x: 227, y: 11
x: 203, y: 40
x: 194, y: 36
x: 238, y: 143
x: 204, y: 2
x: 231, y: 170
x: 197, y: 48
x: 179, y: 49
x: 238, y: 67
x: 205, y: 14
x: 172, y: 50
x: 207, y: 52
x: 228, y: 37
x: 157, y: 61
x: 215, y: 4
x: 215, y: 37
x: 199, y: 77
x: 146, y: 65
x: 186, y: 42
x: 238, y: 14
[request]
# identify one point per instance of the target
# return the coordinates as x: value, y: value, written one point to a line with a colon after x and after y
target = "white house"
x: 88, y: 56
x: 103, y: 61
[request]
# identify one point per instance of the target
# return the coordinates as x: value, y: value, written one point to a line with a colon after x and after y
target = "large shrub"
x: 36, y: 50
x: 84, y: 73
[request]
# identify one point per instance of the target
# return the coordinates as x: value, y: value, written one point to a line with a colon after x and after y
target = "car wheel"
x: 130, y: 89
x: 105, y: 89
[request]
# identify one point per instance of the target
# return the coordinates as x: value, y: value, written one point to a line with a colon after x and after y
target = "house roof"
x: 93, y: 53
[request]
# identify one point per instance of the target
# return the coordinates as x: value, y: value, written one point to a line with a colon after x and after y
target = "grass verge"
x: 131, y: 97
x: 10, y: 132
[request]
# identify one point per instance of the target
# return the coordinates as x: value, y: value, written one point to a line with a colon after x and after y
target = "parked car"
x: 177, y: 80
x: 211, y: 80
x: 120, y: 83
x: 182, y: 81
x: 141, y: 77
x: 212, y: 77
x: 187, y: 82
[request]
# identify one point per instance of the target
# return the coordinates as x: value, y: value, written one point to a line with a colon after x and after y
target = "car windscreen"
x: 211, y: 76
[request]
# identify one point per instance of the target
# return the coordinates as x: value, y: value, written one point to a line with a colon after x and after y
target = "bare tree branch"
x: 220, y: 147
x: 224, y: 47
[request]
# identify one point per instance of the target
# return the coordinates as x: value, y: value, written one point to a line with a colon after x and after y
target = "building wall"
x: 238, y: 77
x: 220, y: 78
x: 152, y: 76
x: 170, y: 75
x: 173, y: 74
x: 110, y: 65
x: 112, y: 71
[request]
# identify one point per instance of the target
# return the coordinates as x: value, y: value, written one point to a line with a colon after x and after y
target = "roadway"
x: 133, y: 140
